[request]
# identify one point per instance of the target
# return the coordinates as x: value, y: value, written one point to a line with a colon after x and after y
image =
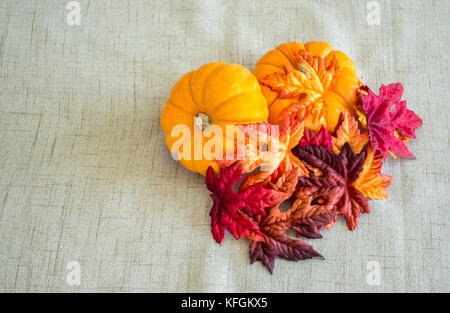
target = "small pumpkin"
x: 218, y: 94
x: 326, y: 76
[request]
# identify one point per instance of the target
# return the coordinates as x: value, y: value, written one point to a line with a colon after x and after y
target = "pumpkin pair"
x: 229, y: 95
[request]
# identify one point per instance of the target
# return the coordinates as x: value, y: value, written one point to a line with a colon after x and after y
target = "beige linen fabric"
x: 85, y: 175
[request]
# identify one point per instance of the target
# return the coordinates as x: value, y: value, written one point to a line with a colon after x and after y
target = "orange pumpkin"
x: 217, y: 94
x: 328, y: 77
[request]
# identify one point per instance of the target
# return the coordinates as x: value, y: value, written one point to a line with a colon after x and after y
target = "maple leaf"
x: 283, y: 179
x: 251, y: 155
x: 371, y: 182
x: 385, y: 114
x: 347, y: 130
x: 314, y: 208
x: 278, y: 143
x: 310, y: 138
x: 308, y: 83
x: 338, y: 173
x: 290, y: 249
x: 307, y: 214
x: 231, y: 209
x: 293, y: 83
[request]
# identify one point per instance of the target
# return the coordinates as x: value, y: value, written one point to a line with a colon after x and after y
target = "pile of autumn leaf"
x: 322, y: 176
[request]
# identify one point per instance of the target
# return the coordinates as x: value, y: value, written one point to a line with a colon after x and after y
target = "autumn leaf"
x: 371, y: 182
x: 310, y: 210
x: 316, y: 68
x: 310, y: 138
x: 385, y: 114
x: 293, y: 83
x: 263, y: 145
x: 283, y: 179
x: 339, y: 172
x: 308, y: 83
x: 277, y: 140
x: 314, y: 209
x: 280, y: 246
x: 347, y: 131
x: 230, y: 208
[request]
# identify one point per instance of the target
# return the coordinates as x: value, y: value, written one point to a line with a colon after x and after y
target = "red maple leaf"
x: 232, y: 211
x: 337, y: 175
x: 290, y: 249
x: 385, y: 114
x: 315, y: 209
x: 310, y: 138
x: 307, y: 214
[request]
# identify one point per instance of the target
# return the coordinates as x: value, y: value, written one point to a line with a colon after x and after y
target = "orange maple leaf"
x: 348, y: 131
x: 308, y: 83
x: 371, y: 182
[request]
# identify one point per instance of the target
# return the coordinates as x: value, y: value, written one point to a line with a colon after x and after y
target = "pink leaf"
x: 387, y: 113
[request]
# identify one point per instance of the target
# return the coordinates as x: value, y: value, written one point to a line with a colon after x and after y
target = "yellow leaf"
x: 371, y: 183
x: 348, y: 131
x: 308, y: 84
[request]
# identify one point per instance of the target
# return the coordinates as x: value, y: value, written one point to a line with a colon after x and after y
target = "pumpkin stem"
x: 202, y: 120
x: 304, y: 71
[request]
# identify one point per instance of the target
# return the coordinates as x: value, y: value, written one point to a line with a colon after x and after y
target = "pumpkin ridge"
x: 336, y: 94
x: 321, y: 42
x: 250, y: 75
x: 285, y: 55
x: 233, y: 97
x: 207, y: 80
x: 191, y: 90
x: 268, y: 64
x: 179, y: 107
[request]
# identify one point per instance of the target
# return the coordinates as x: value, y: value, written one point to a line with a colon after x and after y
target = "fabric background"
x: 85, y: 175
